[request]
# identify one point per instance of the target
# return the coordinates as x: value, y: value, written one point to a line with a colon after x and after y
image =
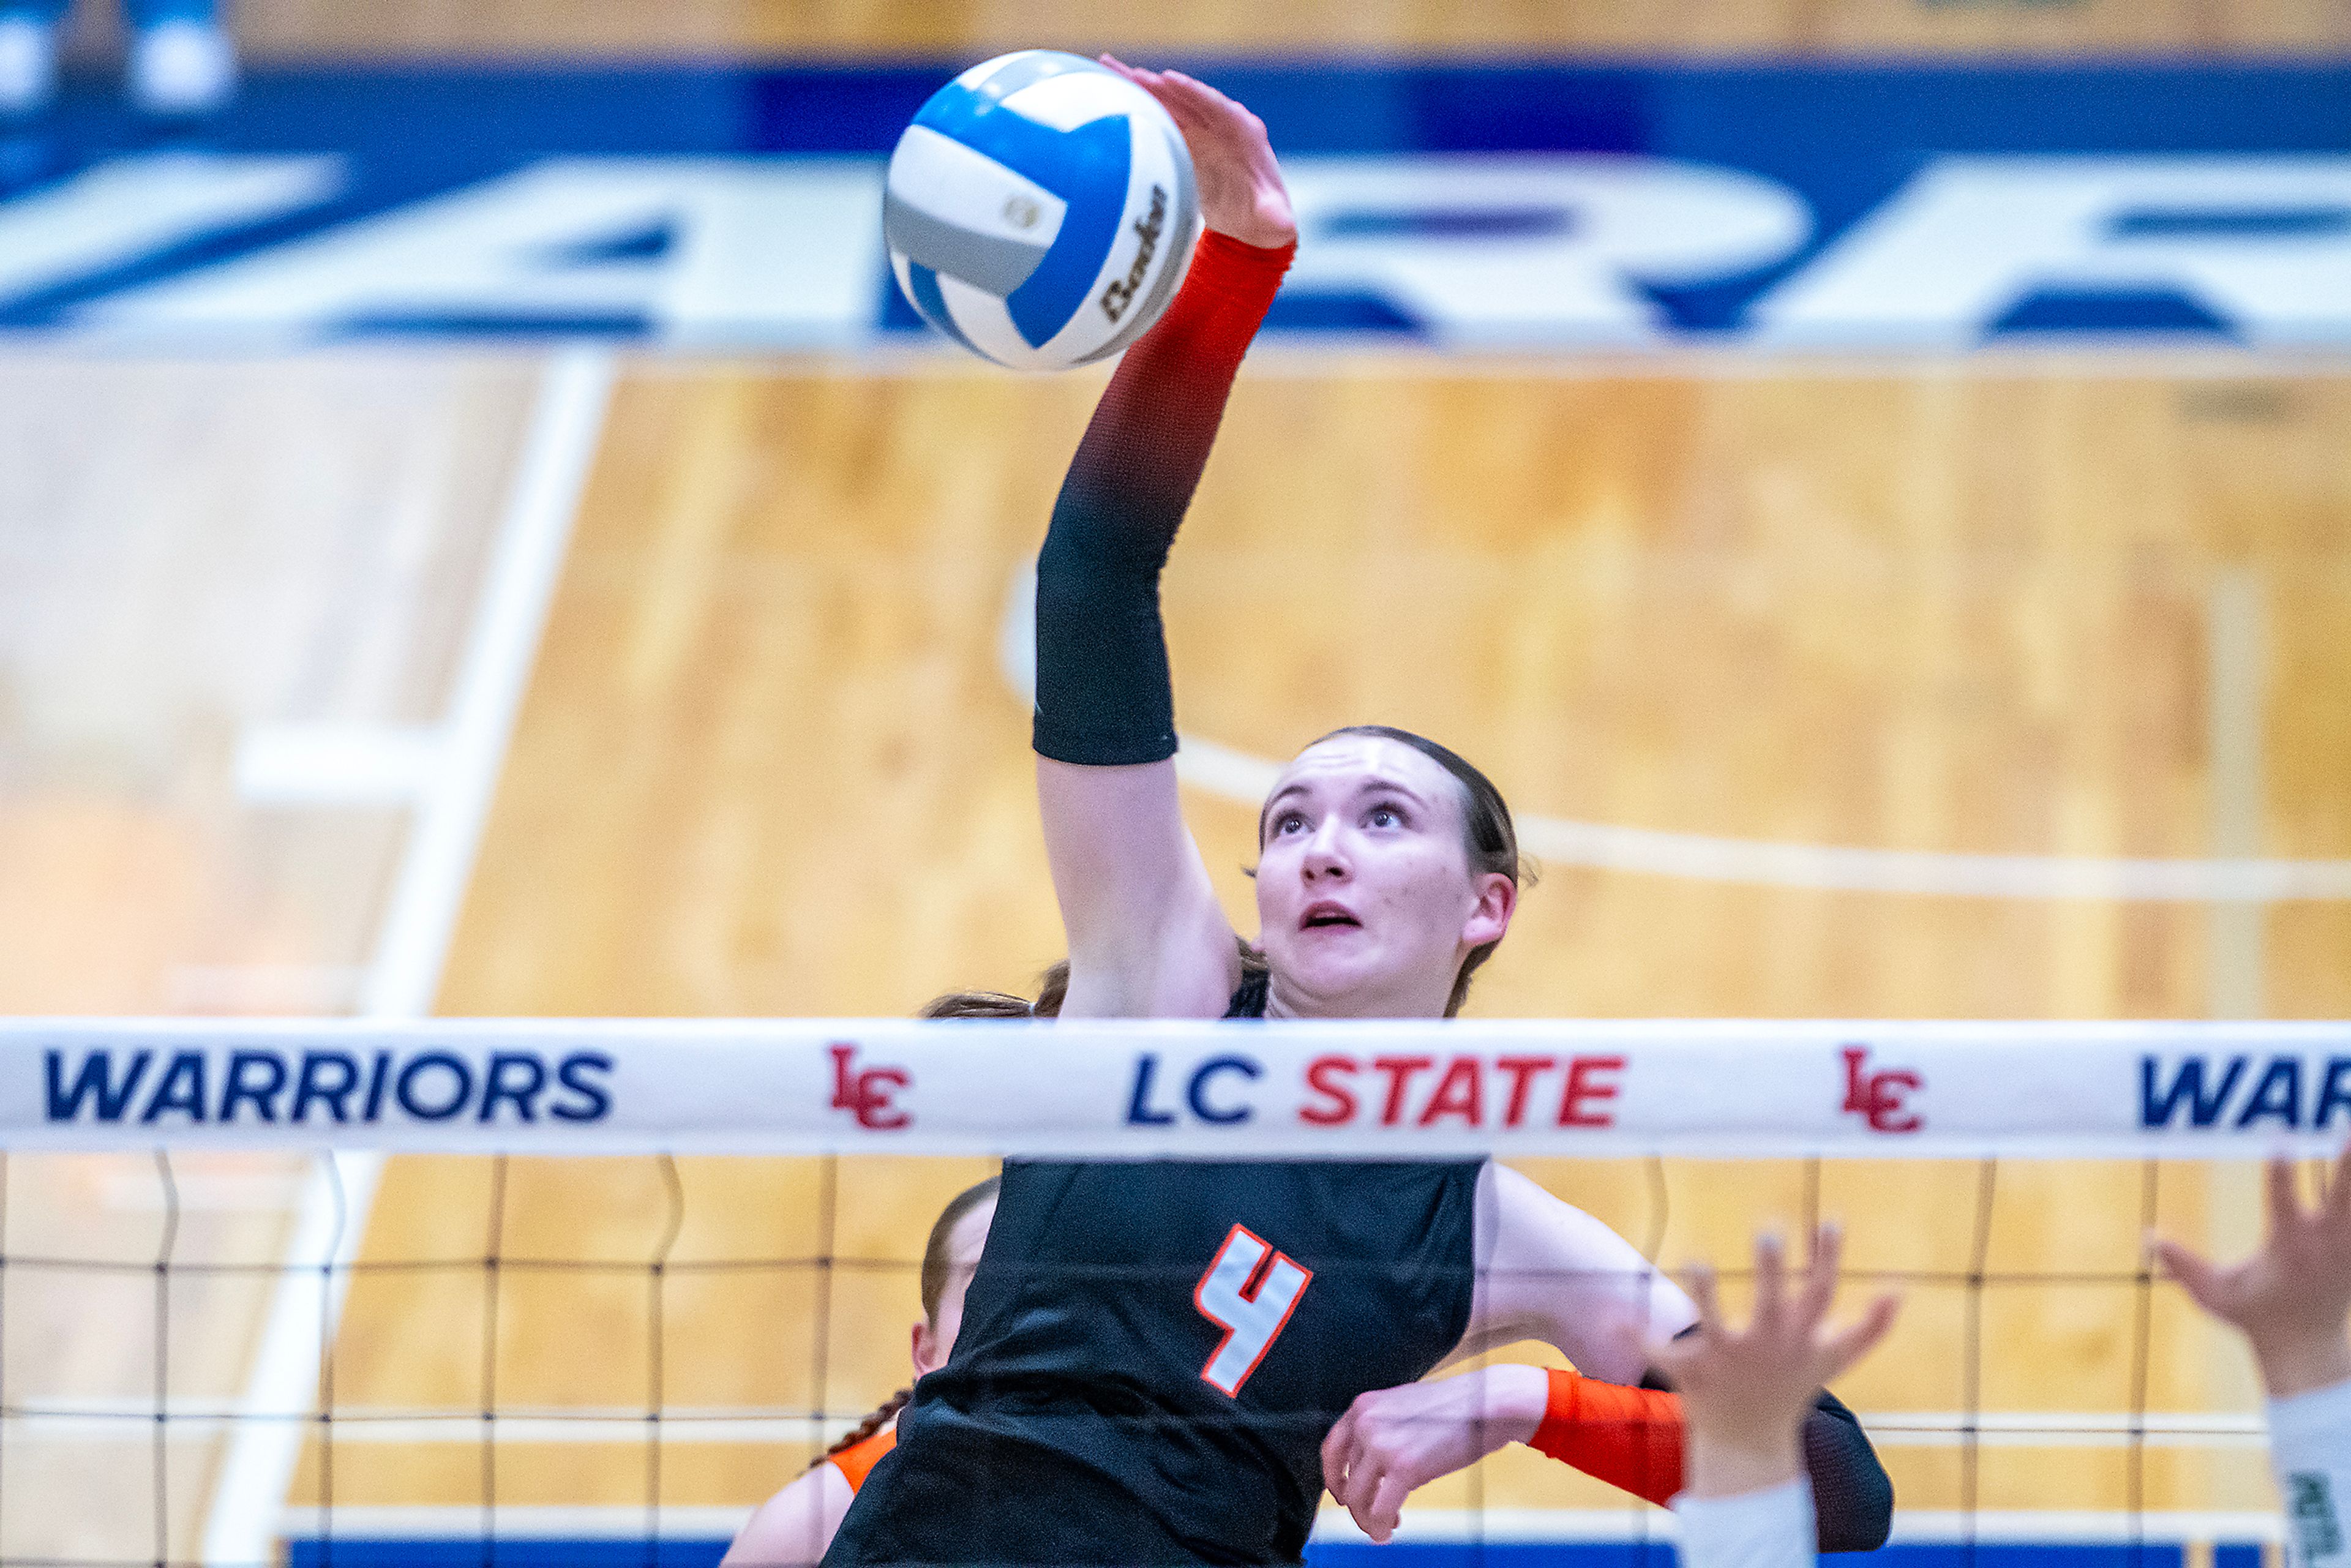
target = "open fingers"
x: 2285, y: 1205
x: 1181, y: 106
x: 2195, y: 1273
x: 1821, y: 1278
x: 1706, y: 1294
x: 1858, y: 1338
x: 1135, y: 74
x: 2338, y: 1186
x: 1770, y: 1279
x: 1198, y: 90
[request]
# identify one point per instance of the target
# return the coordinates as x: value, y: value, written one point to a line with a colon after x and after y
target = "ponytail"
x: 1051, y: 987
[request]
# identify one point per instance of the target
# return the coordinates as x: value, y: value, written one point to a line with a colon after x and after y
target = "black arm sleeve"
x: 1104, y: 696
x: 1853, y: 1496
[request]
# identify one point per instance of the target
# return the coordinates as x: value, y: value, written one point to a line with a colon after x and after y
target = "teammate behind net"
x: 798, y: 1523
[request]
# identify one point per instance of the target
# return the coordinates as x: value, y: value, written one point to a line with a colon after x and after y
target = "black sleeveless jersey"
x: 1151, y: 1352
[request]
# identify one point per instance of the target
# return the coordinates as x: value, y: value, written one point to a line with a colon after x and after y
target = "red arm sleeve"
x: 1629, y: 1437
x: 1632, y: 1438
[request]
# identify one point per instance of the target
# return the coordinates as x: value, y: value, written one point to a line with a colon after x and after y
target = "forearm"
x: 1632, y: 1438
x: 2310, y: 1450
x: 1104, y: 694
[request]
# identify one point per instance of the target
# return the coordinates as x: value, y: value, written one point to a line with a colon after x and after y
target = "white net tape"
x: 1134, y: 1089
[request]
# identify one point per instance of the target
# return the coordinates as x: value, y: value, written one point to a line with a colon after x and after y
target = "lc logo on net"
x: 870, y: 1094
x: 1881, y: 1097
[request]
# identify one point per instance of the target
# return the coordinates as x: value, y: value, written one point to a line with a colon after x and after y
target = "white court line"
x: 413, y: 944
x: 338, y: 764
x: 2236, y: 662
x: 1557, y: 841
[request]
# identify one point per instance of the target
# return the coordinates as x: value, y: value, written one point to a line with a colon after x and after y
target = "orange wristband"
x: 1629, y: 1437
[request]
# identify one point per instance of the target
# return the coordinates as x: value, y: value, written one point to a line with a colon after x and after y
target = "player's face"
x: 1366, y: 905
x: 934, y: 1340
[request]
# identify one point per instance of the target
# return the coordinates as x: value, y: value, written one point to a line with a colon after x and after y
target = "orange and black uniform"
x: 856, y: 1461
x: 1090, y: 1413
x: 1077, y: 1421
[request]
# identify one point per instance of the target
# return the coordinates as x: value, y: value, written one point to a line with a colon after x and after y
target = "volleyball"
x: 1040, y: 210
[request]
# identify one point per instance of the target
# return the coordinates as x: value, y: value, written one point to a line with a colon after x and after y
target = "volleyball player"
x: 1152, y: 1352
x: 2292, y: 1302
x: 1746, y: 1392
x: 797, y: 1524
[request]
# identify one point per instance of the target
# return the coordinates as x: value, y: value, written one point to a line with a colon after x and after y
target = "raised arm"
x: 1748, y: 1399
x: 1147, y: 937
x: 2291, y: 1300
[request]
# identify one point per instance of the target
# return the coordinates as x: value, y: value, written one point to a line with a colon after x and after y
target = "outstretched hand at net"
x: 2290, y: 1298
x: 1747, y: 1392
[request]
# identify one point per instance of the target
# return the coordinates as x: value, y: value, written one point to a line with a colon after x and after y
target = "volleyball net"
x: 584, y: 1292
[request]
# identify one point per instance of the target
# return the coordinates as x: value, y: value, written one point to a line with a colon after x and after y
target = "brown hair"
x: 936, y: 1266
x: 1488, y: 834
x: 1052, y: 986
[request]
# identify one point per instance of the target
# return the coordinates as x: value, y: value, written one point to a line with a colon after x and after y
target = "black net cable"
x: 490, y: 1360
x: 1971, y: 1352
x: 780, y: 1265
x: 334, y: 1268
x: 820, y: 1356
x: 2142, y: 1342
x: 332, y: 1172
x: 163, y: 1251
x: 656, y: 1392
x: 1660, y: 1208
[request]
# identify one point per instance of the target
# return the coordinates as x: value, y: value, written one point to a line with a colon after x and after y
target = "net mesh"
x: 610, y: 1360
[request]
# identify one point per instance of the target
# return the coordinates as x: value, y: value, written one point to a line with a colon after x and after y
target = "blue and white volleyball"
x: 1040, y: 210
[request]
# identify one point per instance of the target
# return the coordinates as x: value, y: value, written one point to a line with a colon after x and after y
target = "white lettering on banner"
x: 1085, y: 1089
x: 758, y: 251
x: 135, y: 207
x: 2263, y: 242
x: 1487, y: 249
x: 1529, y: 249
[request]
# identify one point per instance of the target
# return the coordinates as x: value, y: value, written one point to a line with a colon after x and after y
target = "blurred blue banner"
x: 1870, y: 210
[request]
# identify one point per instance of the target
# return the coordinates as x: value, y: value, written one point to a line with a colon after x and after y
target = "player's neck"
x: 1404, y: 998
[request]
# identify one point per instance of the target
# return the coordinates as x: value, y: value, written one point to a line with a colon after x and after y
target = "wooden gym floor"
x: 767, y: 763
